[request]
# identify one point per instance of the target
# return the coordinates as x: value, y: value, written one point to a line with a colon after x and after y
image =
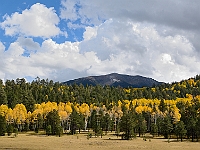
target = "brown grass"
x: 31, y: 141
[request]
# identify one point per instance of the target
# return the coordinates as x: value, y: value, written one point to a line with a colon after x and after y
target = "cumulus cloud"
x: 153, y: 38
x: 38, y: 21
x: 129, y: 47
x: 138, y: 48
x: 89, y: 33
x: 28, y: 43
x: 179, y: 14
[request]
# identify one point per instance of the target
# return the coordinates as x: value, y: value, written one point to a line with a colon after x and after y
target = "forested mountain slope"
x: 161, y: 110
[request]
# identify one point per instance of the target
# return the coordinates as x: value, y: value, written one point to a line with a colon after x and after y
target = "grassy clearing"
x: 32, y: 141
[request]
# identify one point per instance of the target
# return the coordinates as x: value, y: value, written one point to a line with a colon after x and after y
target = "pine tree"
x: 10, y: 129
x: 77, y: 121
x: 154, y: 129
x: 3, y: 96
x: 166, y: 127
x: 127, y: 125
x: 180, y: 130
x: 53, y: 120
x: 2, y: 125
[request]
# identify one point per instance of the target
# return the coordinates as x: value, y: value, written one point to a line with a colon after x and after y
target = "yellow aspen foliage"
x: 119, y: 103
x: 63, y: 115
x: 3, y: 110
x: 29, y: 117
x: 197, y: 98
x: 61, y: 106
x: 68, y: 108
x: 153, y: 89
x: 104, y: 108
x: 76, y: 107
x: 120, y: 113
x: 54, y: 106
x: 9, y: 115
x: 189, y: 96
x: 36, y: 112
x: 127, y: 104
x: 127, y: 90
x: 19, y: 113
x: 176, y: 115
x: 139, y: 109
x: 84, y: 109
x: 48, y: 107
x: 81, y: 109
x: 134, y: 102
x: 191, y: 82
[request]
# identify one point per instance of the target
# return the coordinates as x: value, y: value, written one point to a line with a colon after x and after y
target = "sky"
x: 68, y: 39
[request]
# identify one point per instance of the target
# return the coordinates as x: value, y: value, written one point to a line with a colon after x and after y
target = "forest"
x: 166, y: 110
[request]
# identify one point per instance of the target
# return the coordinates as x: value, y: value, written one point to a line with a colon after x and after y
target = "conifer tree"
x: 2, y: 125
x: 3, y: 96
x: 127, y: 125
x: 180, y: 130
x: 53, y: 120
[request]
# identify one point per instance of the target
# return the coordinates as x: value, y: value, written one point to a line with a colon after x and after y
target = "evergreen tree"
x: 154, y: 129
x: 76, y: 121
x: 127, y: 125
x: 180, y: 130
x: 53, y: 120
x: 106, y: 122
x: 166, y: 126
x: 2, y: 125
x: 10, y: 129
x: 48, y: 130
x: 141, y: 124
x: 3, y: 96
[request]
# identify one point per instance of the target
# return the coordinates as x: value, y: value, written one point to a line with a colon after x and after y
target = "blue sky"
x: 68, y: 39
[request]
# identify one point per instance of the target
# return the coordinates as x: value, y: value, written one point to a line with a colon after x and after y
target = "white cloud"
x: 69, y: 10
x: 2, y: 48
x: 135, y: 49
x: 90, y: 33
x: 28, y: 43
x: 138, y: 48
x: 38, y: 21
x: 129, y: 37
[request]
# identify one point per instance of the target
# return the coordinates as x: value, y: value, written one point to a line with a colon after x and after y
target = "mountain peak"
x: 115, y: 79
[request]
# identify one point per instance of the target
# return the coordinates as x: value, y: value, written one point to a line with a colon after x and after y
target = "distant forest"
x: 166, y: 109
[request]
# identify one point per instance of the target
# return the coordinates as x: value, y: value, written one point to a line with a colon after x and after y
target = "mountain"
x: 115, y: 80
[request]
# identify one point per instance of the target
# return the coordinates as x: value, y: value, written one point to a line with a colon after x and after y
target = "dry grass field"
x: 31, y: 141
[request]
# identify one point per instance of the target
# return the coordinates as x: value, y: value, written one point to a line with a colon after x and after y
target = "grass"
x: 33, y: 141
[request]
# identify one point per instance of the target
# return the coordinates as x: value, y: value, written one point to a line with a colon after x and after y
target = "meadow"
x: 32, y: 141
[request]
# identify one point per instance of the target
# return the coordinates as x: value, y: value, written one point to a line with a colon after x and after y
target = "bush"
x: 15, y: 131
x: 10, y: 129
x: 59, y: 130
x: 48, y: 130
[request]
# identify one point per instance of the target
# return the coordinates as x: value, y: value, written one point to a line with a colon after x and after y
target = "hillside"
x: 115, y: 80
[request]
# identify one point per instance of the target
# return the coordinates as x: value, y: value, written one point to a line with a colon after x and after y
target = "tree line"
x: 168, y: 109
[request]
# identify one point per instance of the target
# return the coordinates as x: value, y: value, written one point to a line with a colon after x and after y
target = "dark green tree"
x: 141, y: 125
x: 106, y: 122
x: 53, y: 120
x: 3, y: 96
x: 2, y: 125
x: 180, y: 130
x: 166, y: 127
x: 76, y: 121
x: 10, y: 129
x: 154, y: 129
x: 40, y: 122
x: 127, y: 125
x: 191, y: 127
x: 48, y: 130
